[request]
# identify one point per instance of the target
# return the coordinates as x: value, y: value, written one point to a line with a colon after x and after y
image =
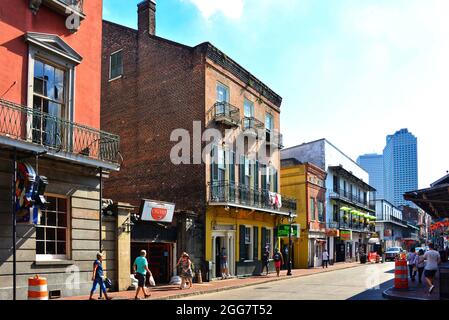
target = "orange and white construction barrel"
x: 400, y: 275
x: 37, y: 288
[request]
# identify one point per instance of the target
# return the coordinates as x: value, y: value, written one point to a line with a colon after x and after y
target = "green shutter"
x: 264, y: 241
x: 242, y: 242
x: 214, y: 164
x: 276, y: 189
x: 264, y: 177
x: 256, y: 243
x: 242, y: 171
x: 256, y: 175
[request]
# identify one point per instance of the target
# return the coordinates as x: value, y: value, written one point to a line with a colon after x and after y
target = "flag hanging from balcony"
x: 275, y: 200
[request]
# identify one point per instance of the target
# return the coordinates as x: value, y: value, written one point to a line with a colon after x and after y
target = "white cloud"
x: 232, y: 9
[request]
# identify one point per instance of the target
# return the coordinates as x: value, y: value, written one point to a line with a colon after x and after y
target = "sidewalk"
x: 415, y: 291
x: 166, y: 292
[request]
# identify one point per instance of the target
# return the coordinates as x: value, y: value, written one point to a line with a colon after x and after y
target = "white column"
x: 213, y: 258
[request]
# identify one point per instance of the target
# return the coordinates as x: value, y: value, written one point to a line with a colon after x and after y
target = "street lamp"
x: 290, y: 218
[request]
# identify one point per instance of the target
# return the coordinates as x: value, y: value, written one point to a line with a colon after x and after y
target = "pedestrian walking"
x: 97, y: 277
x: 278, y: 260
x: 266, y: 259
x: 432, y: 259
x: 186, y: 270
x: 420, y: 264
x: 411, y: 256
x: 325, y: 258
x: 140, y: 268
x: 224, y: 263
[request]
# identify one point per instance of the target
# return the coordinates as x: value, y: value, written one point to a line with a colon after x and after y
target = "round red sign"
x: 158, y: 213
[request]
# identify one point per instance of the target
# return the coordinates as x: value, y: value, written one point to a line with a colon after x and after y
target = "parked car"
x: 392, y: 253
x: 423, y: 248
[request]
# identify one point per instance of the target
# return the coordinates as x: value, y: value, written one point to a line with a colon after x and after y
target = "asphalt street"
x: 366, y: 282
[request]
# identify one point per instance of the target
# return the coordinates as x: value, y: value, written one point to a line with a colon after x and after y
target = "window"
x: 248, y: 254
x: 320, y: 211
x: 222, y: 96
x: 269, y: 123
x: 336, y: 212
x: 116, y: 65
x: 52, y: 230
x: 312, y: 209
x: 49, y: 97
x: 248, y: 111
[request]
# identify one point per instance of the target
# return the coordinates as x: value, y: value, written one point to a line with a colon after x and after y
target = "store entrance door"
x: 340, y: 252
x: 159, y: 257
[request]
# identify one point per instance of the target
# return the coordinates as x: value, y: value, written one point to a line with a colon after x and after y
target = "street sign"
x: 283, y: 230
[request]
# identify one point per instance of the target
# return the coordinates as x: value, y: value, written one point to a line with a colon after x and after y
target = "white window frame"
x: 35, y: 53
x: 228, y: 94
x: 110, y: 66
x: 59, y: 257
x: 271, y: 237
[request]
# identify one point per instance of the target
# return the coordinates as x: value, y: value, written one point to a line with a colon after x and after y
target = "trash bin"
x: 363, y: 258
x: 444, y: 282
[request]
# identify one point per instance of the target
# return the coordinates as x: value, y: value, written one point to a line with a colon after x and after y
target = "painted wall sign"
x: 152, y: 210
x: 345, y: 234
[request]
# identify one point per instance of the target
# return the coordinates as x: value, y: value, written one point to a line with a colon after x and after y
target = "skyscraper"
x: 400, y: 166
x: 374, y: 165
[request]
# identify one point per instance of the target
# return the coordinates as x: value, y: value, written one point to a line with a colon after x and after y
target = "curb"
x: 391, y: 296
x: 184, y: 295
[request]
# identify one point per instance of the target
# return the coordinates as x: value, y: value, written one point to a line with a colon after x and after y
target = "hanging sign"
x: 283, y: 230
x: 345, y: 234
x: 152, y: 210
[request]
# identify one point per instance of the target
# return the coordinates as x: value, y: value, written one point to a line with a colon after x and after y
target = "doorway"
x: 340, y: 253
x: 223, y: 239
x: 160, y: 259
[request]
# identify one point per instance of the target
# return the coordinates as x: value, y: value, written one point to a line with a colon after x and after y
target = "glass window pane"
x: 62, y: 205
x: 39, y: 233
x: 40, y: 247
x: 62, y: 234
x: 51, y: 206
x: 59, y: 85
x: 62, y: 219
x: 51, y: 219
x: 38, y: 77
x: 50, y: 233
x: 49, y: 77
x: 50, y: 247
x: 61, y: 248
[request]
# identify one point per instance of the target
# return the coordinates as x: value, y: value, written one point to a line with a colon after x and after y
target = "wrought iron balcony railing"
x: 251, y: 123
x: 233, y: 193
x: 26, y: 124
x: 223, y: 112
x: 73, y: 4
x: 352, y: 197
x: 275, y: 138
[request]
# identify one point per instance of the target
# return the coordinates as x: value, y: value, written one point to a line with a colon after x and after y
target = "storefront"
x: 155, y: 233
x: 242, y: 235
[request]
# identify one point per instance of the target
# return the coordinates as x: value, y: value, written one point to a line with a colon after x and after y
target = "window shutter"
x: 264, y: 177
x: 264, y: 241
x: 276, y: 189
x: 242, y: 170
x: 242, y: 242
x: 256, y: 243
x: 214, y: 164
x: 256, y: 175
x: 232, y: 167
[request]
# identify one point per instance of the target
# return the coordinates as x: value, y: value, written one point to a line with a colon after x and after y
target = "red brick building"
x: 152, y: 86
x: 50, y: 85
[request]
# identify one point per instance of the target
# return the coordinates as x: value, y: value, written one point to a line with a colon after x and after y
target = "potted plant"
x: 345, y: 218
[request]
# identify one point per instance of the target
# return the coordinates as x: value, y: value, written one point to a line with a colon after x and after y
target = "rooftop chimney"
x: 146, y: 13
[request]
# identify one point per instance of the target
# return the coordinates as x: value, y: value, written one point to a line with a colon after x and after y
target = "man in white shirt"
x: 325, y: 258
x: 433, y: 259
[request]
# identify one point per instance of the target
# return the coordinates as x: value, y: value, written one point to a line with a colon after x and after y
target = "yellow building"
x: 306, y: 183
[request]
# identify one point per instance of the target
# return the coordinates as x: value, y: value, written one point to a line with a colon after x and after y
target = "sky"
x: 350, y: 71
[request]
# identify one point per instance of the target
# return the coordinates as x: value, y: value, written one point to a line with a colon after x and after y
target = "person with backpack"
x: 278, y: 260
x: 266, y: 259
x: 97, y: 277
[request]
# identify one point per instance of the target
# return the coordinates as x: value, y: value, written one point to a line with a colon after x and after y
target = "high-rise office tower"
x: 374, y: 165
x: 400, y: 166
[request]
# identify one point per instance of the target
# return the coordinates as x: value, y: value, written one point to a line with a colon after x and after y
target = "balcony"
x: 275, y: 138
x: 224, y: 113
x: 356, y: 226
x: 252, y: 126
x: 32, y: 130
x: 233, y: 194
x: 352, y: 198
